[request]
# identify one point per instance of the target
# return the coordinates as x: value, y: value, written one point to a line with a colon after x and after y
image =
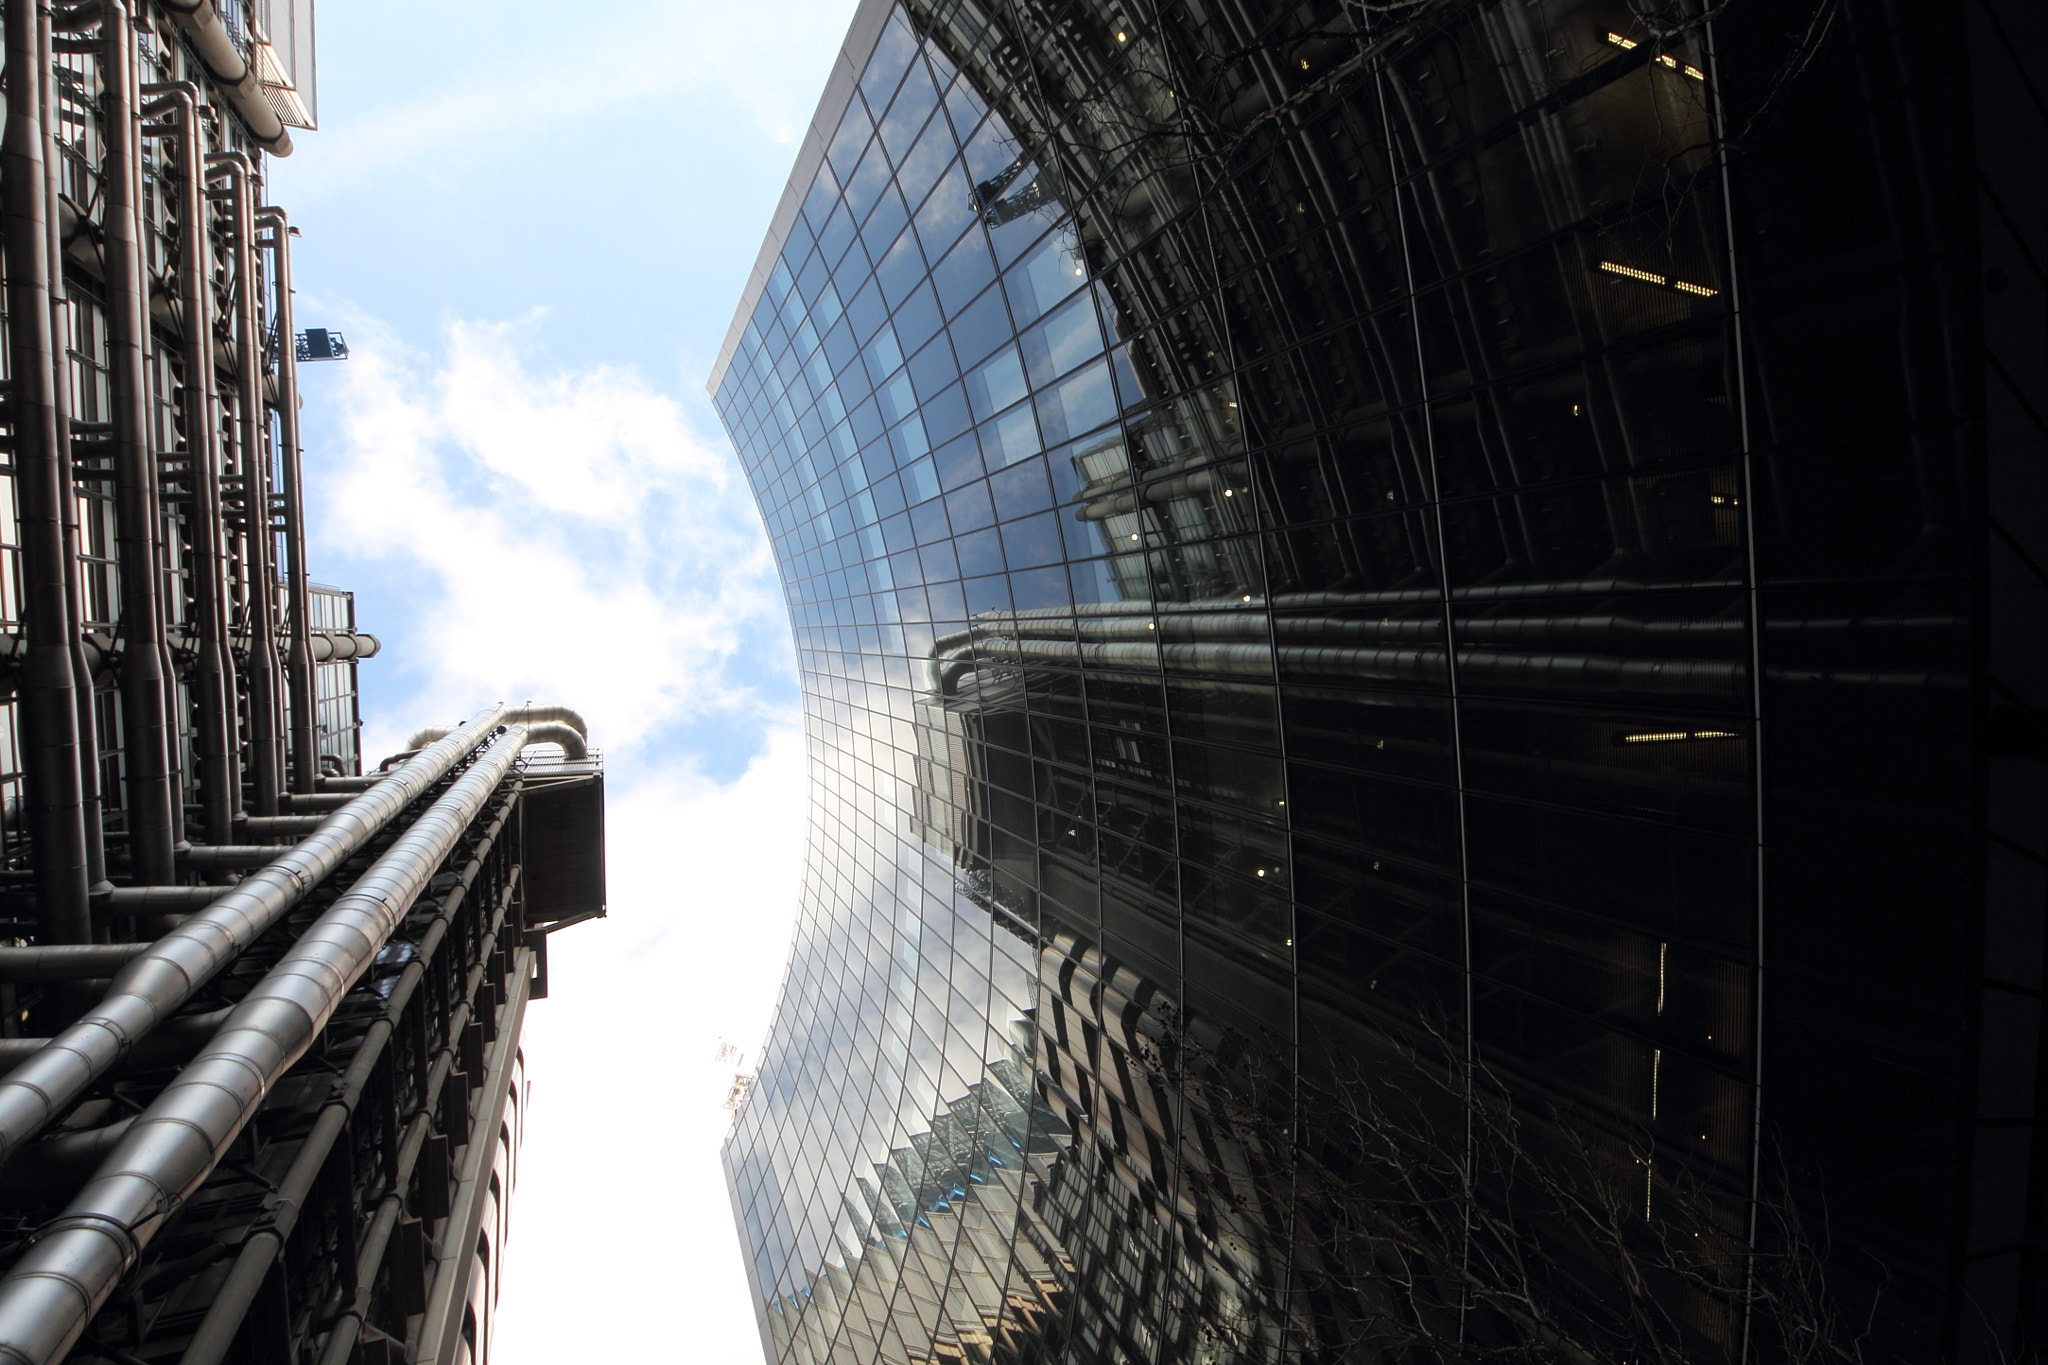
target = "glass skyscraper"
x: 1420, y: 630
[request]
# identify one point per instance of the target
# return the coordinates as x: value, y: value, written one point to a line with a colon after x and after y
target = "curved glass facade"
x: 1399, y: 658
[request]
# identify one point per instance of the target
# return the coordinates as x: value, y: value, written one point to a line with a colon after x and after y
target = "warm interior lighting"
x: 1226, y: 493
x: 1668, y: 60
x: 1676, y: 736
x: 1689, y: 287
x: 1695, y: 73
x: 1134, y: 535
x: 1304, y: 63
x: 1121, y: 36
x: 1630, y: 272
x: 1625, y: 44
x: 1248, y: 597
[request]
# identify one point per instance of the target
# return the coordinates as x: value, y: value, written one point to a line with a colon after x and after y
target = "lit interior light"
x: 1078, y: 270
x: 1248, y: 597
x: 1625, y: 44
x: 1290, y: 943
x: 1676, y: 736
x: 1668, y: 60
x: 1150, y: 625
x: 1134, y: 535
x: 1695, y: 73
x: 1230, y: 404
x: 1689, y: 287
x: 1630, y: 272
x: 1226, y: 493
x: 1304, y: 63
x: 1262, y: 872
x: 1724, y: 500
x: 1122, y: 36
x: 1575, y: 409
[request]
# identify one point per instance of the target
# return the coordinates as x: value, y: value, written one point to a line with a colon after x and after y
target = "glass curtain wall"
x: 1388, y: 602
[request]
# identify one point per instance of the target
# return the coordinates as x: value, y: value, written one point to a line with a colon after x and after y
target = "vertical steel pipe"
x: 304, y: 724
x: 219, y: 786
x: 49, y: 710
x: 266, y: 740
x: 74, y: 584
x: 154, y: 805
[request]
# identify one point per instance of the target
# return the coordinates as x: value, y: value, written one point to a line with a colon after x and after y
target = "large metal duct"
x: 162, y: 979
x: 513, y: 715
x: 223, y: 58
x: 53, y: 1291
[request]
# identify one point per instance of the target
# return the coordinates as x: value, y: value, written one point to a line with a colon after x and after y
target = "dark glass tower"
x: 1421, y: 633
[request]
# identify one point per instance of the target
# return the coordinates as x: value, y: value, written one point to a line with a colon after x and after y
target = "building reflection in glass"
x: 1313, y: 599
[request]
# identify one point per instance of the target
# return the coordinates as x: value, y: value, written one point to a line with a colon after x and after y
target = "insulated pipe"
x: 543, y: 732
x: 220, y: 787
x: 216, y: 1333
x: 90, y: 811
x: 237, y: 79
x: 266, y: 696
x: 344, y: 784
x: 305, y: 737
x: 52, y: 1292
x: 519, y: 715
x: 155, y: 811
x: 161, y: 980
x: 49, y: 711
x: 334, y: 646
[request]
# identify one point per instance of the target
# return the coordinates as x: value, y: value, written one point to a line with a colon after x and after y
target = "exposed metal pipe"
x: 220, y: 787
x: 228, y: 857
x: 541, y: 732
x: 155, y: 812
x: 235, y: 76
x: 49, y: 711
x: 161, y: 980
x: 514, y: 715
x: 91, y: 815
x: 216, y: 1333
x: 266, y: 695
x: 330, y: 646
x: 303, y: 724
x: 281, y: 824
x: 67, y: 961
x: 344, y: 784
x: 1422, y: 667
x: 52, y: 1292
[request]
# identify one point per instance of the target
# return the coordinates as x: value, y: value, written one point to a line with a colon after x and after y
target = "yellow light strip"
x: 1625, y: 44
x: 1668, y: 60
x: 1695, y: 73
x: 1692, y: 288
x: 1677, y: 736
x: 1632, y: 273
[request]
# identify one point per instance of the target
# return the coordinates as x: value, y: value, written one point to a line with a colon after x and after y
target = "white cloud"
x: 565, y: 535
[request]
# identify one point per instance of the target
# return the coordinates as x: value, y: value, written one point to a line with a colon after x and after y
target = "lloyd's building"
x: 1422, y: 631
x: 260, y: 1003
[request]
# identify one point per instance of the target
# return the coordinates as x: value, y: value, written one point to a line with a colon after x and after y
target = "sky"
x: 534, y: 235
